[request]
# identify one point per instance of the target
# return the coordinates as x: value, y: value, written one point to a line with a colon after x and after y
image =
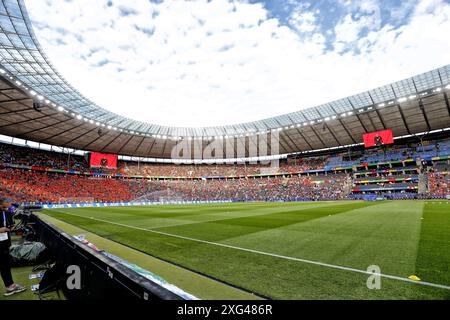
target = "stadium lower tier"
x: 29, y: 186
x: 42, y: 187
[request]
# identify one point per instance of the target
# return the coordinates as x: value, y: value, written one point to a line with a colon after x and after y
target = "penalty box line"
x: 312, y: 262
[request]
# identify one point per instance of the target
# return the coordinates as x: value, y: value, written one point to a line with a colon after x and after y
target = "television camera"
x: 25, y: 226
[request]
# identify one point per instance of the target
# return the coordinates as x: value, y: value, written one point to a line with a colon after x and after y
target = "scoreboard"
x: 102, y: 160
x: 378, y: 138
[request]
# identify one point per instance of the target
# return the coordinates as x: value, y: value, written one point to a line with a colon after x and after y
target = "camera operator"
x: 6, y: 223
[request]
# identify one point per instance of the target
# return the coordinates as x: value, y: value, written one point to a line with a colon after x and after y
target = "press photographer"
x: 6, y: 224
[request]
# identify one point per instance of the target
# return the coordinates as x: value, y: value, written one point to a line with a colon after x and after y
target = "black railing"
x: 101, y: 277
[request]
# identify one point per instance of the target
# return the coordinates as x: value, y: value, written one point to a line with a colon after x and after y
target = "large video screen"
x: 101, y: 160
x: 378, y: 138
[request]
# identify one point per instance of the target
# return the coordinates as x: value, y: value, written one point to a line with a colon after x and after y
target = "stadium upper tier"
x: 405, y: 155
x: 37, y: 104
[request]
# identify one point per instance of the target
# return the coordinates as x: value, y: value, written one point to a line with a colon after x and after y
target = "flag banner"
x: 103, y: 160
x: 378, y: 138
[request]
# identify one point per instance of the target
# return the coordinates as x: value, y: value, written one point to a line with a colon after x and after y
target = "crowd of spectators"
x: 10, y: 154
x: 298, y: 187
x: 391, y: 153
x: 187, y: 170
x: 32, y: 186
x: 47, y: 159
x: 41, y: 158
x: 29, y: 186
x: 439, y: 184
x: 219, y: 170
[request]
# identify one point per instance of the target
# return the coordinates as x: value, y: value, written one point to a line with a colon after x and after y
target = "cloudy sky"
x: 203, y: 63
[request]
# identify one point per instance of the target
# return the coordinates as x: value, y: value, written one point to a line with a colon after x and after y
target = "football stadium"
x: 345, y: 200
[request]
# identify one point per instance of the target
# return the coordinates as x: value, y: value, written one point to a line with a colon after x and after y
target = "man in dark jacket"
x: 6, y: 223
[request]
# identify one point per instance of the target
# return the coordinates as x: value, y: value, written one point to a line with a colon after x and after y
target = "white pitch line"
x: 317, y: 263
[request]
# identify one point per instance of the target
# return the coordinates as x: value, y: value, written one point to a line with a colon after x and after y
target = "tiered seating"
x: 32, y: 157
x: 28, y: 186
x: 40, y: 158
x: 240, y: 182
x: 393, y: 153
x: 439, y: 185
x: 300, y: 188
x: 337, y: 161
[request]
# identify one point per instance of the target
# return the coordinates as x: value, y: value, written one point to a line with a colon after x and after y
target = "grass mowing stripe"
x: 322, y: 264
x: 277, y: 218
x: 239, y: 223
x: 261, y: 213
x: 433, y: 258
x: 386, y: 235
x: 169, y: 214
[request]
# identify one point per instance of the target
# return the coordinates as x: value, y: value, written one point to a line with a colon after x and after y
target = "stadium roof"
x: 66, y: 118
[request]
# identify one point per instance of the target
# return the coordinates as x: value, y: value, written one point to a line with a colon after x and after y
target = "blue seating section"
x: 433, y: 149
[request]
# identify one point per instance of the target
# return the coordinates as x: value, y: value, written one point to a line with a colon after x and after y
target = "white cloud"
x: 302, y: 19
x: 199, y: 63
x: 368, y: 16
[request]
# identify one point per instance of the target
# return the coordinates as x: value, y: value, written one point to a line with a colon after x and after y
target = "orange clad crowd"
x: 28, y: 186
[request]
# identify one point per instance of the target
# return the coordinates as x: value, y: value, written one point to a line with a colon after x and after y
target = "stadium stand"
x: 38, y: 187
x: 31, y: 175
x: 29, y: 186
x: 370, y: 158
x: 41, y: 158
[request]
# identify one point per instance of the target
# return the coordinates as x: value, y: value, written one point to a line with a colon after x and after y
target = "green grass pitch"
x: 310, y: 250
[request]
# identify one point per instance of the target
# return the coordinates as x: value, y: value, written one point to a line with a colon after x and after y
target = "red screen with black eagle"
x: 103, y: 160
x: 378, y: 138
